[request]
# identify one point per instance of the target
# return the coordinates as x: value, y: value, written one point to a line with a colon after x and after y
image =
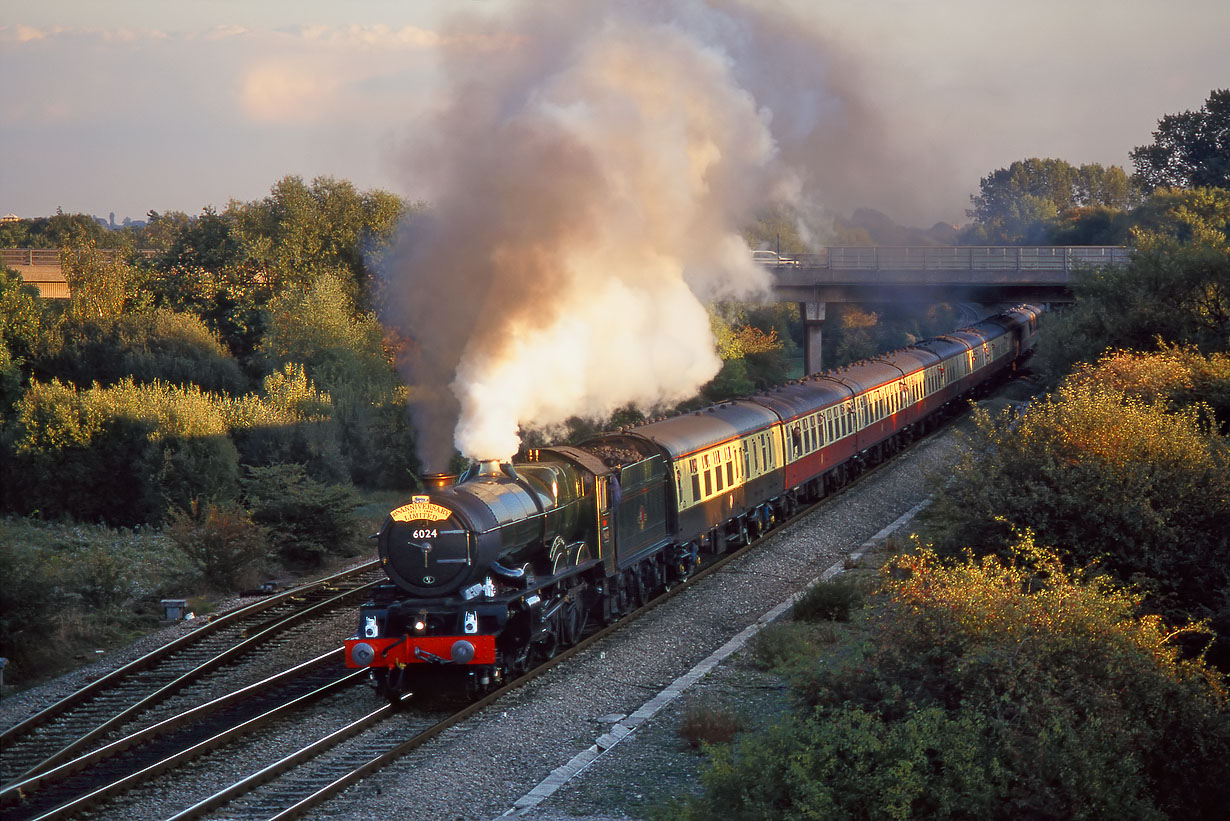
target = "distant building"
x: 10, y: 218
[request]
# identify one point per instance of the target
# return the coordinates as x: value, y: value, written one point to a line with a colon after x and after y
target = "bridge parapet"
x: 964, y: 257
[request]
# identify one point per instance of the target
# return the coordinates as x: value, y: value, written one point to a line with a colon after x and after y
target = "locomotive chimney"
x: 436, y: 481
x: 488, y: 467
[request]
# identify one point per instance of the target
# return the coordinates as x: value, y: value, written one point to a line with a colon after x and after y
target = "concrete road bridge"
x: 962, y: 274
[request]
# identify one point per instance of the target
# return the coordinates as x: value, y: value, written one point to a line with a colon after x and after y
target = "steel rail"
x: 76, y: 806
x: 226, y: 619
x: 16, y: 792
x: 76, y: 747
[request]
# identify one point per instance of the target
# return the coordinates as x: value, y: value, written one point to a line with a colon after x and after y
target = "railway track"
x: 76, y: 785
x: 82, y: 721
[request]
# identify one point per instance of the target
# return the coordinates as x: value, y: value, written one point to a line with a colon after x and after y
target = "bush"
x: 223, y: 544
x: 851, y: 763
x: 68, y: 590
x: 831, y: 600
x: 155, y: 346
x: 342, y: 350
x: 1004, y: 690
x: 783, y: 645
x: 1107, y: 478
x: 307, y: 520
x: 1179, y: 377
x: 1176, y: 292
x: 705, y: 722
x: 292, y: 423
x: 123, y: 455
x: 24, y: 331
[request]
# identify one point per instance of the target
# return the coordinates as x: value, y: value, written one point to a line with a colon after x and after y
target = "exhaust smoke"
x: 587, y: 183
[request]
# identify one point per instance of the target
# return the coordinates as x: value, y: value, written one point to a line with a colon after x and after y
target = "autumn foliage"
x: 990, y: 689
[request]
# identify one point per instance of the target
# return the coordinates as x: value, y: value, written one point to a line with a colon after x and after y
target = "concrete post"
x: 813, y: 331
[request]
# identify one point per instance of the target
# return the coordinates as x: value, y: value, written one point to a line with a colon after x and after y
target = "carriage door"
x: 603, y: 497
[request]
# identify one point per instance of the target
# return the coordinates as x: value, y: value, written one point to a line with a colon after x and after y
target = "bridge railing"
x: 30, y: 257
x: 972, y: 257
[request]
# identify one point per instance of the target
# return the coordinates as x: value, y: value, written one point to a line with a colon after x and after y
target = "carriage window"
x: 730, y: 473
x: 695, y: 487
x: 708, y: 484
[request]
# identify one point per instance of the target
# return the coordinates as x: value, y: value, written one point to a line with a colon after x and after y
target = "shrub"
x: 851, y: 763
x: 1174, y: 375
x: 25, y: 328
x: 342, y: 350
x: 292, y: 423
x: 122, y: 454
x: 1075, y: 706
x: 154, y: 346
x: 783, y: 645
x: 831, y: 600
x: 307, y: 520
x: 1105, y: 477
x: 68, y: 590
x: 223, y: 544
x: 706, y: 722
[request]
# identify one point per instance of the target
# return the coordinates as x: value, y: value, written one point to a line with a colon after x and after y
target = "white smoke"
x: 587, y: 183
x: 586, y: 190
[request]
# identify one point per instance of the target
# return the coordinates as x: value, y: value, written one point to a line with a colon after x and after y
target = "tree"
x: 300, y: 231
x: 207, y: 268
x: 1196, y: 215
x: 146, y: 346
x: 23, y: 317
x: 1019, y: 204
x: 1173, y: 292
x: 1189, y: 150
x: 345, y: 354
x: 162, y: 230
x: 776, y: 228
x: 100, y: 284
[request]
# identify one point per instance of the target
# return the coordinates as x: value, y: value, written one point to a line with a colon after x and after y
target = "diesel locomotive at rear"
x: 510, y: 562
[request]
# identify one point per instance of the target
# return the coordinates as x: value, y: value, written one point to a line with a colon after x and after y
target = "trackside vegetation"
x: 1055, y: 642
x: 988, y: 688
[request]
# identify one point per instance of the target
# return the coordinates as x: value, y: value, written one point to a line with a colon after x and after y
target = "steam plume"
x: 587, y: 184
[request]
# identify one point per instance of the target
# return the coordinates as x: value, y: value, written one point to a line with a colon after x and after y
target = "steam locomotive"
x: 502, y: 566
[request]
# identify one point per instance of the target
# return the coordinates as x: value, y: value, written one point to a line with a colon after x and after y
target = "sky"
x: 131, y: 106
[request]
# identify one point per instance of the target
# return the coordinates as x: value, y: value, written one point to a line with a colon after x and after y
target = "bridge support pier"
x: 813, y: 332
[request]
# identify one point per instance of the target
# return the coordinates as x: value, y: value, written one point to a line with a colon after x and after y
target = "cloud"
x: 288, y: 91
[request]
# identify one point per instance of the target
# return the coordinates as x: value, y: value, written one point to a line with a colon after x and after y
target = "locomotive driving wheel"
x: 573, y: 620
x: 545, y: 648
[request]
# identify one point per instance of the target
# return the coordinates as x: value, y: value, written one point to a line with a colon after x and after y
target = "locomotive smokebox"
x: 436, y: 481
